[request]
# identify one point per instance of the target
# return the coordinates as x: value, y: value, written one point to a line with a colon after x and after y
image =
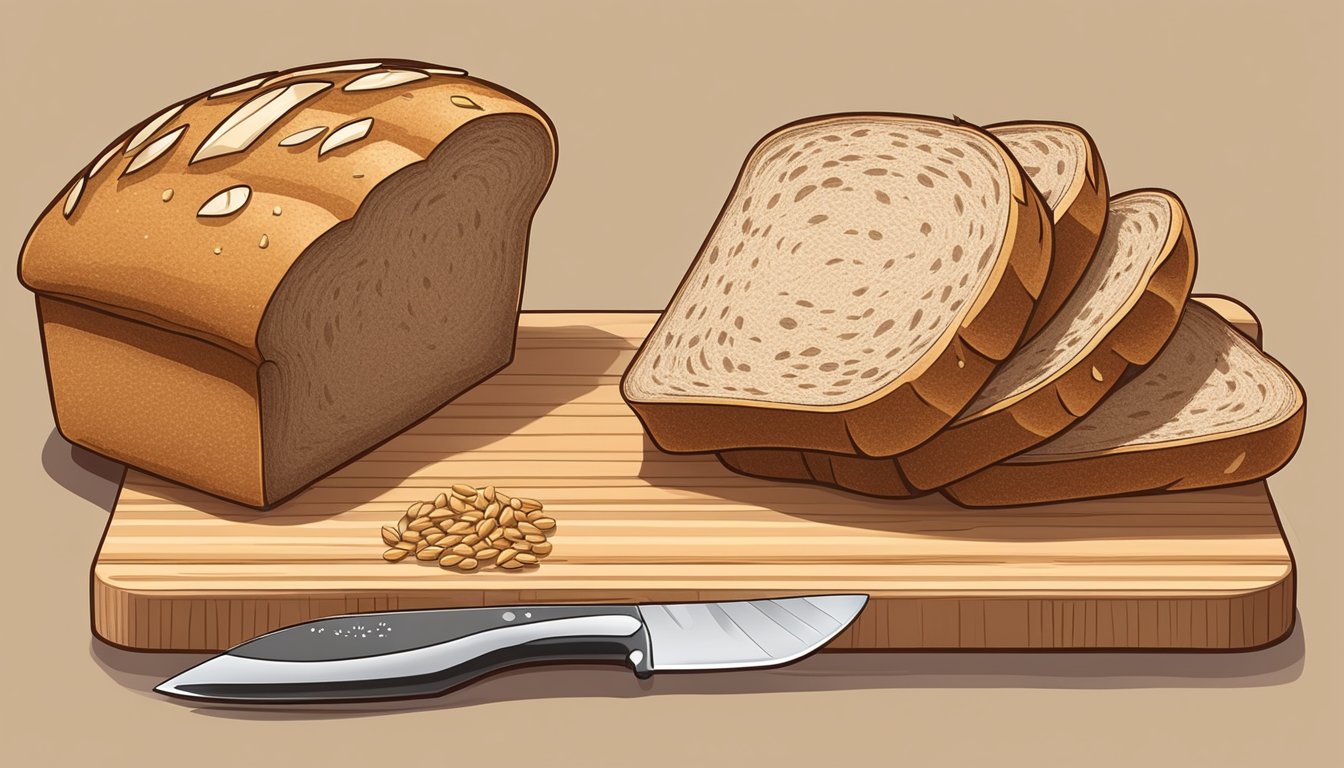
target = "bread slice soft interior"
x: 855, y: 254
x: 1210, y: 410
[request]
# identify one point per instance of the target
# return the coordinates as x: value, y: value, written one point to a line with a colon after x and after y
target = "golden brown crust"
x: 1209, y: 464
x: 156, y: 258
x: 165, y: 402
x: 901, y: 417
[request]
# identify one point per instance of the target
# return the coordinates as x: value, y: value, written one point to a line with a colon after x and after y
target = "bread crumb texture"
x: 848, y: 248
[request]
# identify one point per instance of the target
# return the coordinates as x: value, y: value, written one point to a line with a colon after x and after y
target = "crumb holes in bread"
x: 226, y: 203
x: 468, y: 528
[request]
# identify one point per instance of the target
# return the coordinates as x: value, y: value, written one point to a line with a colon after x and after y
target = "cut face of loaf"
x: 1063, y: 163
x: 396, y: 312
x: 264, y: 281
x: 864, y: 277
x: 1211, y: 410
x: 1125, y: 308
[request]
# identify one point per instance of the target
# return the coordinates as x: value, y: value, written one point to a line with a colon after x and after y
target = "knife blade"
x: 406, y: 654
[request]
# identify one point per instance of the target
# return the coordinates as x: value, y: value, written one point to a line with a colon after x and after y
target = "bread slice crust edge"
x: 1172, y: 467
x: 1079, y: 221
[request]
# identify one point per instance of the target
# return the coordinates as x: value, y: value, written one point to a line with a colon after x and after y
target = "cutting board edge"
x: 1232, y: 621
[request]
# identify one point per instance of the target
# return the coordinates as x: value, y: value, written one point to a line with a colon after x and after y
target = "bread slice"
x: 1063, y: 163
x: 1211, y: 410
x: 1123, y: 311
x: 864, y: 278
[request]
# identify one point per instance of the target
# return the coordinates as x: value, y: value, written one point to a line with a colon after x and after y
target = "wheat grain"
x: 467, y: 528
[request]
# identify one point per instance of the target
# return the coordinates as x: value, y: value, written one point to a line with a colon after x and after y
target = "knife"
x: 403, y: 654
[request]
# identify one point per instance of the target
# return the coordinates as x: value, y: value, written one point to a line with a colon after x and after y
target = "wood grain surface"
x: 178, y: 570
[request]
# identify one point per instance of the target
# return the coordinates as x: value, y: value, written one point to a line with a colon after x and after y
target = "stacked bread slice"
x: 1211, y: 410
x: 815, y: 340
x: 865, y: 277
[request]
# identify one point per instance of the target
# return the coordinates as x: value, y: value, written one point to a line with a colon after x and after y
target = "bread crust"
x: 1079, y: 221
x: 154, y: 257
x: 165, y: 402
x: 907, y: 412
x: 1177, y: 467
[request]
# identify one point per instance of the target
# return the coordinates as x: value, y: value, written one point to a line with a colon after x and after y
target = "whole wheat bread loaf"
x: 265, y: 280
x: 865, y: 276
x: 1210, y: 410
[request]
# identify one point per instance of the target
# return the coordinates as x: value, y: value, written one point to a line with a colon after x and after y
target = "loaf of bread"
x: 1124, y: 310
x: 865, y: 277
x: 264, y: 281
x: 1210, y: 410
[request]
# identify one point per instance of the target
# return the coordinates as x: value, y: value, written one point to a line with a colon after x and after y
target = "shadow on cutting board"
x: 933, y: 514
x: 1277, y: 665
x: 599, y: 349
x: 84, y: 473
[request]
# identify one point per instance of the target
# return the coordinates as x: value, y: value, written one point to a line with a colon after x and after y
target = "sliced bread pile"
x: 893, y: 305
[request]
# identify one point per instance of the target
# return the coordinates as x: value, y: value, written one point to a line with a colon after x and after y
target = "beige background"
x: 1235, y: 107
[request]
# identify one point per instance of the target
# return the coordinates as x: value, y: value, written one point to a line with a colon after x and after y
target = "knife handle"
x: 564, y: 633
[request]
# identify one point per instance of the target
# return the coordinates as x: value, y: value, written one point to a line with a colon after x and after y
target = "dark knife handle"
x: 529, y: 635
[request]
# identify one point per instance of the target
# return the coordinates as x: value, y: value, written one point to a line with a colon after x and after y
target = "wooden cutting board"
x: 178, y: 570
